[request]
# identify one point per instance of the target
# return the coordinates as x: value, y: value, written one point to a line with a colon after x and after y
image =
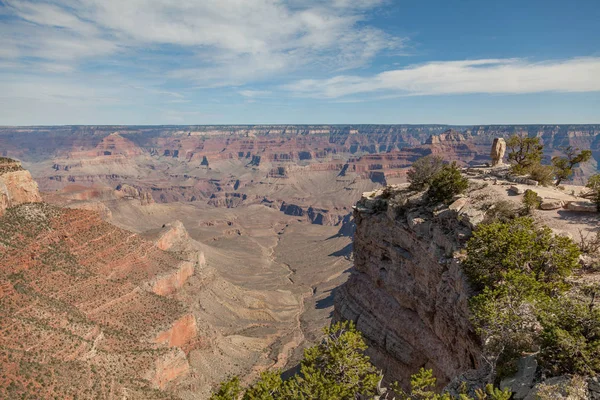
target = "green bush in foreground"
x: 422, y: 387
x: 519, y: 245
x: 337, y: 369
x: 334, y: 369
x: 524, y: 304
x: 571, y: 336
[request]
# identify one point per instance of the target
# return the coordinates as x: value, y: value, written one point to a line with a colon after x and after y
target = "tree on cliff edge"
x: 524, y: 152
x: 423, y: 170
x: 563, y: 166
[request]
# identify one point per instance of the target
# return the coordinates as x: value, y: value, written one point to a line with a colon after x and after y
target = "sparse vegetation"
x: 524, y: 300
x: 423, y: 171
x: 594, y: 184
x: 531, y: 201
x: 501, y: 211
x: 543, y: 174
x: 337, y: 369
x: 446, y: 184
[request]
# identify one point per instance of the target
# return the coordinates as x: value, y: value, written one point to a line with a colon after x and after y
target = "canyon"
x: 154, y: 262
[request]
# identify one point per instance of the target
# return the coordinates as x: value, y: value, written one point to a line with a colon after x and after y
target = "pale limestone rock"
x: 520, y: 384
x: 551, y: 204
x: 581, y: 206
x: 458, y: 204
x: 498, y: 150
x: 16, y: 186
x: 561, y: 388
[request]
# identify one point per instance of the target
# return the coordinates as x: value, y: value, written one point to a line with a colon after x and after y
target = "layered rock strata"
x: 407, y: 293
x: 16, y: 185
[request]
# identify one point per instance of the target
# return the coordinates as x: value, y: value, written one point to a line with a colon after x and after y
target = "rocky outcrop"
x: 314, y: 215
x: 16, y: 185
x: 171, y: 234
x: 126, y: 191
x: 179, y: 333
x: 96, y: 206
x: 169, y: 283
x: 407, y: 293
x: 167, y: 368
x: 498, y: 150
x: 581, y: 206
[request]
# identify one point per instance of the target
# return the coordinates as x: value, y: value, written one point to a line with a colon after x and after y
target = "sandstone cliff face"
x: 16, y: 185
x: 407, y: 294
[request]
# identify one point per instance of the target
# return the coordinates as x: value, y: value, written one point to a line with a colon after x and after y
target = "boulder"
x: 551, y: 204
x: 524, y: 180
x: 516, y: 190
x: 560, y: 388
x: 458, y: 204
x: 581, y: 206
x: 520, y: 384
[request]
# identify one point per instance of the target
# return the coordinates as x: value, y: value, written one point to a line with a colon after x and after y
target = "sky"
x: 145, y: 62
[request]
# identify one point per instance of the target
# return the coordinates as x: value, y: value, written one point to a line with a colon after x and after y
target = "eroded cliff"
x: 408, y: 294
x: 16, y: 185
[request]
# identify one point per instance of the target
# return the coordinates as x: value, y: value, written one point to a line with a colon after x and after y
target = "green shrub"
x: 543, y: 174
x: 593, y: 183
x: 334, y: 369
x: 337, y: 369
x: 531, y: 201
x: 571, y: 336
x: 228, y: 390
x: 446, y: 184
x: 504, y: 317
x: 501, y: 211
x: 518, y: 245
x: 423, y: 170
x: 422, y: 387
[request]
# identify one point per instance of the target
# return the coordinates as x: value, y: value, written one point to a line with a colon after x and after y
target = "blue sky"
x: 299, y: 61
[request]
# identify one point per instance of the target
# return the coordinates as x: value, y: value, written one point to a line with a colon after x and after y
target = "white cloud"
x: 255, y: 93
x: 500, y: 76
x: 226, y: 42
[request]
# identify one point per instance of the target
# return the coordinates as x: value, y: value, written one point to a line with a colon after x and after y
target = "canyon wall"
x: 407, y: 293
x: 16, y: 185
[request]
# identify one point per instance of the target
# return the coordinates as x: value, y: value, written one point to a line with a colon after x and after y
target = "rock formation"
x: 16, y: 185
x: 407, y: 294
x: 498, y: 150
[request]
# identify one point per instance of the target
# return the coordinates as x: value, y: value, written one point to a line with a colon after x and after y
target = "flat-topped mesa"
x: 449, y: 135
x: 16, y: 185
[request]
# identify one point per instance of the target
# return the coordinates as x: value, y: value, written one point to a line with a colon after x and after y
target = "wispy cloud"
x: 228, y: 42
x: 255, y: 93
x: 494, y: 76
